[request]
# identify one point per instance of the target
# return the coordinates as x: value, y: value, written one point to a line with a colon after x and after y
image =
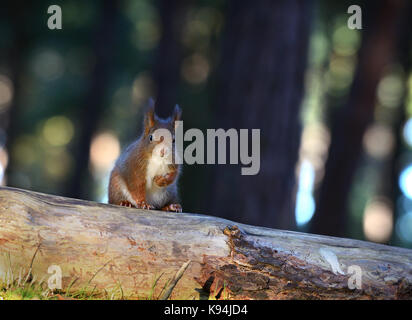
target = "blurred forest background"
x: 334, y: 105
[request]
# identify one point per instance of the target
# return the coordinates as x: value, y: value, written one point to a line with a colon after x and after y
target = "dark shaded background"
x: 334, y: 105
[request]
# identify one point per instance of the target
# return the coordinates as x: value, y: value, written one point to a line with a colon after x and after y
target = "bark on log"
x: 107, y: 246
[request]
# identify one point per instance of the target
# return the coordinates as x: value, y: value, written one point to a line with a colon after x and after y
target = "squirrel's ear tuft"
x: 149, y: 118
x: 177, y: 113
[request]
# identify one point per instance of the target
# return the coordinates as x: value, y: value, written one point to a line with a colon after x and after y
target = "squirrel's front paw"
x: 173, y: 207
x: 165, y: 180
x: 125, y: 204
x: 144, y: 205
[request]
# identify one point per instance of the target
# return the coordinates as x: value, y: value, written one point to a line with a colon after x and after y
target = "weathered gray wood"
x: 129, y: 247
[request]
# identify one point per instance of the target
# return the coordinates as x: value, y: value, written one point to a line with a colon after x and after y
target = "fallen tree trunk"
x: 106, y: 246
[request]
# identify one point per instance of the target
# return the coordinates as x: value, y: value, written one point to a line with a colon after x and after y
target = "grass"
x: 26, y: 287
x: 38, y: 290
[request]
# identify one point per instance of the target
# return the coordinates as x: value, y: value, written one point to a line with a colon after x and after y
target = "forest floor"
x: 37, y: 290
x: 37, y: 293
x: 32, y: 289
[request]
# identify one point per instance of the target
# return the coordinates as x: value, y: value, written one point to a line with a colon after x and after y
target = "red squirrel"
x: 144, y: 175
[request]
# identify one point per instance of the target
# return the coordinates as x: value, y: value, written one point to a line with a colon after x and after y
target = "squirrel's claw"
x: 125, y: 204
x: 144, y: 205
x: 173, y: 207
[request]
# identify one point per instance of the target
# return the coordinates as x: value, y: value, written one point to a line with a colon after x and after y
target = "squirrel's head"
x: 159, y: 134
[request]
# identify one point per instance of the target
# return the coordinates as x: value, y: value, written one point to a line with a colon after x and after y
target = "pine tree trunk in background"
x: 21, y: 43
x: 351, y: 121
x: 261, y: 86
x: 104, y: 46
x: 168, y: 59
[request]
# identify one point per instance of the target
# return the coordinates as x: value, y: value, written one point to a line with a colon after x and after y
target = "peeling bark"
x: 105, y: 246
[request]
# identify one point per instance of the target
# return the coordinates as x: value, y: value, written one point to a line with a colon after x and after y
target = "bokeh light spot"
x: 305, y: 204
x: 105, y: 149
x: 146, y: 35
x: 390, y: 91
x: 195, y: 69
x: 407, y: 132
x: 346, y: 41
x: 6, y: 92
x: 142, y: 88
x: 4, y: 158
x: 24, y: 150
x: 378, y: 221
x: 48, y: 65
x: 405, y: 181
x: 378, y: 141
x: 305, y: 208
x: 58, y: 164
x: 58, y: 131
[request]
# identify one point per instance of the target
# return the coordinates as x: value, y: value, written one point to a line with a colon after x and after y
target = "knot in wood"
x: 232, y: 231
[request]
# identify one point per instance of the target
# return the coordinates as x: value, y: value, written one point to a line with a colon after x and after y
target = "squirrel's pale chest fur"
x: 155, y: 195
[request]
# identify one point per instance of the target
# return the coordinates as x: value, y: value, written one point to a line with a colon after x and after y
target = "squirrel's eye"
x: 150, y: 137
x: 173, y: 139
